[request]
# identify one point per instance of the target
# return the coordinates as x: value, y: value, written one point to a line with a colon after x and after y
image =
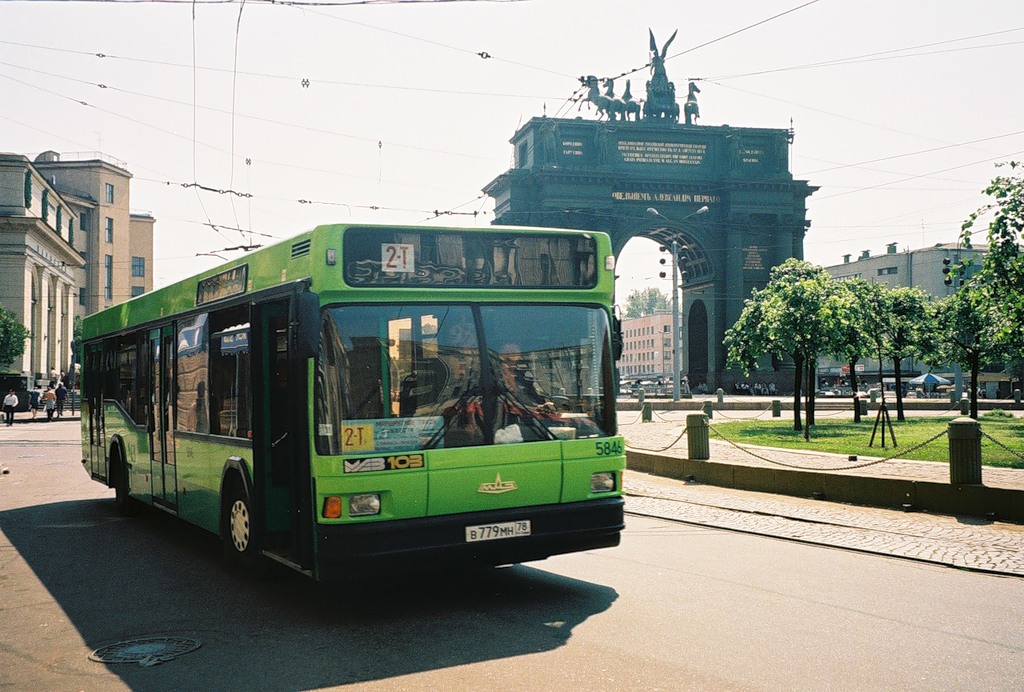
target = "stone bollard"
x: 874, y: 395
x: 952, y: 396
x: 863, y: 404
x: 709, y: 409
x: 964, y: 451
x: 645, y: 412
x: 640, y: 395
x: 1016, y: 396
x: 776, y: 408
x: 965, y: 406
x: 697, y: 433
x: 720, y: 394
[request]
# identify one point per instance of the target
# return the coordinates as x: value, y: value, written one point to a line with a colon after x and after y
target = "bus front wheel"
x: 241, y: 551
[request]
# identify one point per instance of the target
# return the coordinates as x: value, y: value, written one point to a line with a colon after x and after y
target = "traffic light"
x: 947, y: 279
x: 662, y: 273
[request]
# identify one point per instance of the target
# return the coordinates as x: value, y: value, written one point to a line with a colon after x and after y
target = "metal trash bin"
x: 697, y: 434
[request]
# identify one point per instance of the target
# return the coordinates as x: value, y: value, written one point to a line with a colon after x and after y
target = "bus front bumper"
x: 393, y: 547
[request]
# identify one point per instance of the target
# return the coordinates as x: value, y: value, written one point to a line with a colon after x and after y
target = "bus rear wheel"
x: 241, y: 550
x: 123, y: 501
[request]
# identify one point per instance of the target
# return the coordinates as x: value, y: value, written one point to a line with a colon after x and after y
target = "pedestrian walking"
x: 10, y: 403
x: 62, y: 395
x: 49, y: 402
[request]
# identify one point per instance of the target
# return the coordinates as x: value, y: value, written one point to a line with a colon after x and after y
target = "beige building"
x: 117, y: 245
x: 66, y: 226
x: 647, y: 346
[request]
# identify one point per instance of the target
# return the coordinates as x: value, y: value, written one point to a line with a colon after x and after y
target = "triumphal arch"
x: 636, y: 171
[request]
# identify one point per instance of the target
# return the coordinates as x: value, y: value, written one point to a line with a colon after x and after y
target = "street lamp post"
x: 678, y: 274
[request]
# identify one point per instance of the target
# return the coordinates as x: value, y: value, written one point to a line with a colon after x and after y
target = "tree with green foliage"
x: 961, y: 327
x: 646, y: 302
x: 998, y: 288
x: 853, y: 296
x: 795, y: 315
x: 901, y: 326
x: 12, y: 338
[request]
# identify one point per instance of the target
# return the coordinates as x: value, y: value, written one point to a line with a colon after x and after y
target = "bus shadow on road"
x: 118, y: 579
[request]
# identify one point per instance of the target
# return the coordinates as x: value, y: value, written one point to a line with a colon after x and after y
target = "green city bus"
x: 369, y: 399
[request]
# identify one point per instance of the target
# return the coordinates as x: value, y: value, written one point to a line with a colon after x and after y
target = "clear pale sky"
x: 900, y: 109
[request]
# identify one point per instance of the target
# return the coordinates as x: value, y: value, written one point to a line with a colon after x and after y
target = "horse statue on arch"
x: 606, y: 103
x: 630, y: 106
x: 690, y: 109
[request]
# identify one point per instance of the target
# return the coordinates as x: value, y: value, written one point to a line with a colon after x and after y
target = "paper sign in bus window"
x: 398, y: 257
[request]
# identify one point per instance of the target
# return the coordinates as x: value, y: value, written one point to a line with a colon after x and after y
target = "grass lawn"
x: 847, y: 437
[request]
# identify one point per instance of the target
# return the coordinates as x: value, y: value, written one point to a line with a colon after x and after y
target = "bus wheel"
x: 240, y: 549
x: 123, y: 501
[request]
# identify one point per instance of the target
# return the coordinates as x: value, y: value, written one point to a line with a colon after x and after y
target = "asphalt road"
x: 674, y: 607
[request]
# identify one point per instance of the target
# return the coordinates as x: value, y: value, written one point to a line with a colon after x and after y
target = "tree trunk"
x: 975, y: 368
x: 853, y: 388
x: 899, y: 390
x: 811, y: 385
x: 798, y: 376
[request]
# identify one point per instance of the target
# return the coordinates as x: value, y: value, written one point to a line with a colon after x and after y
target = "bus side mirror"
x: 617, y: 341
x: 307, y: 325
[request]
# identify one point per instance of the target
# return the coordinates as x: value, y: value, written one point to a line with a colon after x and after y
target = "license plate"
x: 493, y: 532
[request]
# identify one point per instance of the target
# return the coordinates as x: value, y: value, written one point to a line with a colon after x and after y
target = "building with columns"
x: 38, y: 263
x: 69, y: 246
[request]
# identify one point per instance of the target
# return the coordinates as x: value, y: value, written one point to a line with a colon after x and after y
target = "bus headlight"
x: 603, y: 482
x: 364, y: 505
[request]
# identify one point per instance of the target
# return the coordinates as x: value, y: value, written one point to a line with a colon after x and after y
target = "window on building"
x: 109, y: 225
x: 524, y: 155
x: 81, y: 296
x: 108, y: 193
x: 138, y: 266
x: 108, y: 277
x: 888, y: 270
x: 71, y: 231
x: 138, y: 290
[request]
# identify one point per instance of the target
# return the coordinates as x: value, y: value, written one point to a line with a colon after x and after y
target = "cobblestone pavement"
x: 970, y: 543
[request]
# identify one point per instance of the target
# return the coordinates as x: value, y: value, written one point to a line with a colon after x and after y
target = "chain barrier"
x: 999, y: 444
x: 718, y: 412
x: 634, y: 422
x: 898, y: 455
x: 830, y: 414
x: 663, y: 449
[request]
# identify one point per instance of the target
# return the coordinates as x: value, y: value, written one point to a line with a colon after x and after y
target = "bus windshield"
x: 404, y: 377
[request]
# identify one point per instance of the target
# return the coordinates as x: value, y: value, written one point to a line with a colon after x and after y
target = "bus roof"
x: 317, y: 257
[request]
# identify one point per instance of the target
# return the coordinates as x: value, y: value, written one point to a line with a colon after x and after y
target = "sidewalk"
x: 810, y: 497
x: 658, y: 449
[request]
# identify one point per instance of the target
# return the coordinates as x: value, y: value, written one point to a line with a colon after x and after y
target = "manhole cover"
x: 149, y: 650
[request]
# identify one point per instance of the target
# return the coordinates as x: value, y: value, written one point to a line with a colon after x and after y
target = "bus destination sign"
x: 231, y: 282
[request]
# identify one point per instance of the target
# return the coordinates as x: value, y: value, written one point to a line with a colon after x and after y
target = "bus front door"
x: 279, y: 443
x: 164, y: 470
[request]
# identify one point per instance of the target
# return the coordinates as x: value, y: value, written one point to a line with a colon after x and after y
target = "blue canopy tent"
x: 928, y: 379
